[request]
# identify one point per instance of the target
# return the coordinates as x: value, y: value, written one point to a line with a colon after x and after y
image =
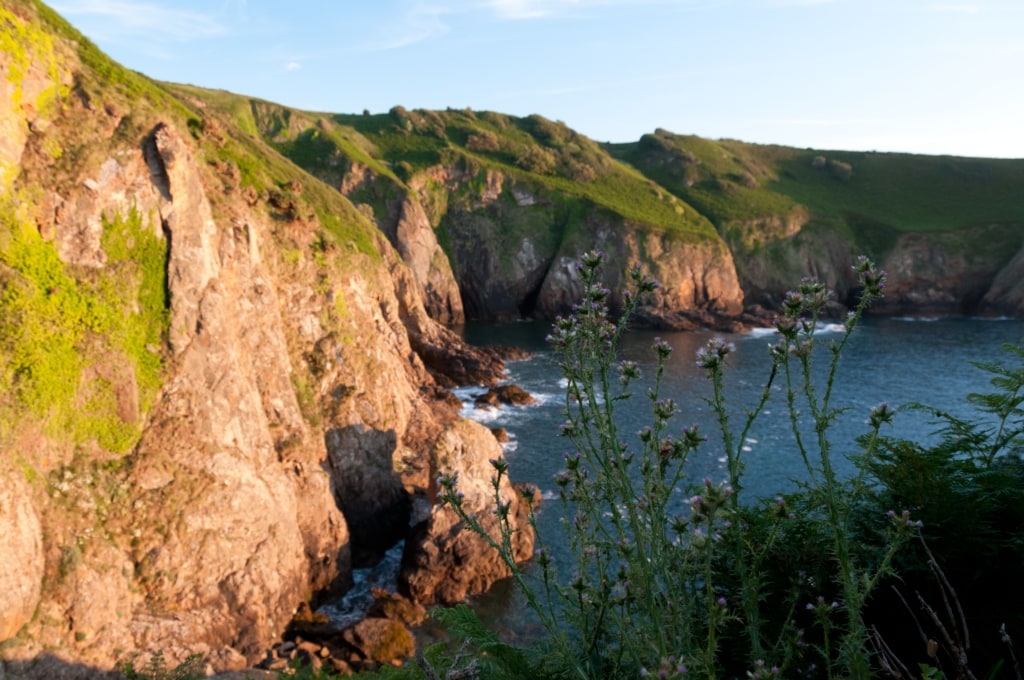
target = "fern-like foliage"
x: 498, y: 659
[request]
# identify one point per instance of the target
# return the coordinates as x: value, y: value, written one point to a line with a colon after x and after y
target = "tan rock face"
x: 225, y: 517
x: 692, y: 278
x: 443, y: 563
x: 512, y: 259
x: 229, y: 439
x: 417, y: 244
x: 948, y: 273
x: 768, y: 272
x: 21, y: 577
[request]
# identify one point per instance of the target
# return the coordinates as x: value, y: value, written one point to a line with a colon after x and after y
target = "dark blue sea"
x: 886, y: 360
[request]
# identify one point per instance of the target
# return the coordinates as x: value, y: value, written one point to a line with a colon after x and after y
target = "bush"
x: 484, y: 141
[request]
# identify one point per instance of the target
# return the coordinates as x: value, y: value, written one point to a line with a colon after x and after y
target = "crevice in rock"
x: 155, y: 162
x: 528, y: 304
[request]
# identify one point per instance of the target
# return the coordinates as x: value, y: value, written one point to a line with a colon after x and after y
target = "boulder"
x: 511, y: 395
x: 444, y: 561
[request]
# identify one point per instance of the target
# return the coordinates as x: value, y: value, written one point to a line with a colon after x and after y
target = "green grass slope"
x: 872, y: 197
x: 397, y: 145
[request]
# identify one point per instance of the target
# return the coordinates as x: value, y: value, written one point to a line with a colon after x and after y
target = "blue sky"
x: 922, y: 76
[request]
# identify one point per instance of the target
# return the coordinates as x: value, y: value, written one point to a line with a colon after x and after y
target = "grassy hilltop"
x: 873, y: 197
x: 398, y: 144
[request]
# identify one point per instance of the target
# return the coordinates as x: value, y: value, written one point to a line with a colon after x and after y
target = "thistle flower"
x: 712, y: 355
x: 881, y: 415
x: 662, y: 349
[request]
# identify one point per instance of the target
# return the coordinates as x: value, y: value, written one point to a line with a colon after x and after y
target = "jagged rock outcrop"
x: 231, y: 399
x: 409, y: 230
x: 415, y: 240
x: 1006, y: 294
x: 778, y: 265
x: 697, y: 281
x: 442, y: 562
x: 211, y: 546
x: 928, y: 273
x: 943, y: 273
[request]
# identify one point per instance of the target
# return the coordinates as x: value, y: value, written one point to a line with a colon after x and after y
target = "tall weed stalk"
x: 673, y: 577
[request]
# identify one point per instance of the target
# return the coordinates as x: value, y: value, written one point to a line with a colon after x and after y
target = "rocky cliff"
x: 486, y: 219
x: 218, y: 377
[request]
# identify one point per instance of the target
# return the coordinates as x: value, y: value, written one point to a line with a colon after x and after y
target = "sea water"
x: 892, y: 360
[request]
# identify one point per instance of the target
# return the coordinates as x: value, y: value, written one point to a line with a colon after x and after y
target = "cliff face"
x: 1006, y: 295
x: 212, y: 386
x: 929, y: 273
x: 513, y: 246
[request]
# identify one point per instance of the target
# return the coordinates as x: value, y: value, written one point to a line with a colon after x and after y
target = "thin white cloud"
x: 122, y: 18
x: 418, y: 24
x: 956, y: 8
x: 292, y: 66
x: 534, y: 9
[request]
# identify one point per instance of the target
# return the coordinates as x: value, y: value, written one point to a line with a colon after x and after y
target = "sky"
x: 918, y: 76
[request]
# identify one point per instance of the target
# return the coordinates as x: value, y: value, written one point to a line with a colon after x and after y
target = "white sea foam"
x: 503, y: 413
x: 353, y: 606
x: 819, y: 328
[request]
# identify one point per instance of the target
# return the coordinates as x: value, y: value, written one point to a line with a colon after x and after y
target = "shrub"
x: 484, y: 141
x: 968, y: 489
x: 535, y: 159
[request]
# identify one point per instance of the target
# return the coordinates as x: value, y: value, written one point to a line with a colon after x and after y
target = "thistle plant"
x: 670, y: 576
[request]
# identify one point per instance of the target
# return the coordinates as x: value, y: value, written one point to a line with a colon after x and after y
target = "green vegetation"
x: 871, y: 197
x: 543, y: 153
x: 27, y: 44
x: 686, y: 185
x: 104, y: 77
x: 156, y: 668
x: 672, y: 578
x: 77, y: 344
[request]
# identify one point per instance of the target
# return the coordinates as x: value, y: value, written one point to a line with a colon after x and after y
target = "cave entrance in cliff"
x: 529, y: 303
